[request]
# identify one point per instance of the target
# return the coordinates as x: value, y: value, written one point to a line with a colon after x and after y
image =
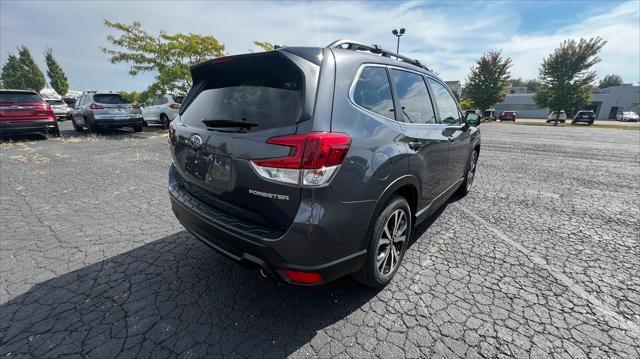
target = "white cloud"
x: 446, y: 36
x: 620, y: 27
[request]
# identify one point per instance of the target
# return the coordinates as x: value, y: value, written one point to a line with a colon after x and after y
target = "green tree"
x: 21, y: 72
x: 488, y: 80
x: 11, y: 74
x: 266, y: 46
x: 532, y: 85
x: 466, y: 103
x: 57, y: 78
x: 566, y: 81
x: 610, y: 80
x: 169, y: 56
x: 32, y: 75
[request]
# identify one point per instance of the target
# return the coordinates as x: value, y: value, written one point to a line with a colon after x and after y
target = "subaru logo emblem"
x: 196, y: 142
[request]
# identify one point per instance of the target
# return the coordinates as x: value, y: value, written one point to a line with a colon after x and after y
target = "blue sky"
x: 447, y: 36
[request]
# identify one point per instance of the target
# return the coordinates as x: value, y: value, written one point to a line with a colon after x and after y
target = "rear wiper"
x: 229, y: 123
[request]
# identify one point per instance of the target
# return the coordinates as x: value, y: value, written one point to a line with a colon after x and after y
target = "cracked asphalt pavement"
x: 540, y: 260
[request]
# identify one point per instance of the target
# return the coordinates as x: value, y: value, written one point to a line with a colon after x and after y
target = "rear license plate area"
x: 212, y: 169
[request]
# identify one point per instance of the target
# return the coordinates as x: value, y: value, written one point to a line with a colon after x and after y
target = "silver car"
x: 95, y: 111
x: 60, y: 108
x: 162, y: 110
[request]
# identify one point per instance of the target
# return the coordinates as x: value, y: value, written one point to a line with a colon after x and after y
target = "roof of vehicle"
x: 25, y: 91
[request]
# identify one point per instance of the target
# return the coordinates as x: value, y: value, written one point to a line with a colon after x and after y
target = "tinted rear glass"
x: 265, y: 90
x: 55, y: 102
x: 109, y: 99
x: 20, y: 97
x: 178, y: 99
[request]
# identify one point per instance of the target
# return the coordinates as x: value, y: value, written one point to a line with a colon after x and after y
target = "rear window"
x: 55, y: 102
x: 266, y: 90
x: 20, y: 97
x: 109, y: 99
x: 178, y: 99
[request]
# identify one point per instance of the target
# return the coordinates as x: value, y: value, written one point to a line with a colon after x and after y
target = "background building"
x: 606, y: 103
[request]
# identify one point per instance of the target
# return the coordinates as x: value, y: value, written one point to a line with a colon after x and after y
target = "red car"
x: 24, y: 112
x: 507, y: 116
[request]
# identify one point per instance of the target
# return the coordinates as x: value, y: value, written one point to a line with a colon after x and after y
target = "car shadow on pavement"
x: 173, y: 296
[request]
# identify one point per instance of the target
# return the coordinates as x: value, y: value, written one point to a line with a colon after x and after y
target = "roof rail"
x: 374, y: 49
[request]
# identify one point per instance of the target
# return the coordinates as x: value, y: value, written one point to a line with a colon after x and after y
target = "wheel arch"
x: 405, y: 186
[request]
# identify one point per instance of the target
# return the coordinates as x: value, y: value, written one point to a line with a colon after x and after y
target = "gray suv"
x: 94, y: 111
x: 315, y: 163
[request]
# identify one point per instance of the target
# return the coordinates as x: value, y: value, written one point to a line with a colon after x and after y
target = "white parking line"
x: 575, y: 288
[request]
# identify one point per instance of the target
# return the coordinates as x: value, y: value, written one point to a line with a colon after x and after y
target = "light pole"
x: 397, y: 34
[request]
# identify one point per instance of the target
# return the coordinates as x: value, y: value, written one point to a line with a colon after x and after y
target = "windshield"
x: 110, y: 99
x: 20, y: 97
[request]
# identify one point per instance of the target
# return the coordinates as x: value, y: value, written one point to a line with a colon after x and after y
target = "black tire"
x: 76, y: 126
x: 89, y: 126
x: 137, y: 128
x: 469, y: 175
x: 55, y: 132
x: 379, y: 268
x: 164, y: 121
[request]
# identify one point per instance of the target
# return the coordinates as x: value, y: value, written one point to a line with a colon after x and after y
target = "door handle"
x: 415, y: 145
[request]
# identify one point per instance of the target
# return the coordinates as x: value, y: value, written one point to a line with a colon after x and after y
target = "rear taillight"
x: 94, y: 106
x: 312, y: 161
x: 174, y: 106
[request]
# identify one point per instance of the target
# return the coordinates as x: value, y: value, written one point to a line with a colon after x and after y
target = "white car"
x: 627, y: 116
x: 60, y: 108
x: 162, y: 110
x: 552, y: 116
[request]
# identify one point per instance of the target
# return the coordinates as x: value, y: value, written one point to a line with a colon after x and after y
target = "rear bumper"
x: 40, y: 126
x: 107, y: 122
x: 303, y: 247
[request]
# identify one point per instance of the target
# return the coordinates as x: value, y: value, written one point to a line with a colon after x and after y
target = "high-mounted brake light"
x: 312, y: 161
x: 93, y: 106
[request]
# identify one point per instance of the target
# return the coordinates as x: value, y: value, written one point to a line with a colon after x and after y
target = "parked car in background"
x: 584, y: 116
x: 627, y: 116
x: 162, y: 110
x: 60, y: 109
x: 562, y: 117
x: 94, y: 111
x: 489, y: 115
x: 273, y: 162
x: 25, y: 112
x: 508, y: 116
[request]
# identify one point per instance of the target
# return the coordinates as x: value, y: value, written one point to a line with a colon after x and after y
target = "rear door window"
x: 413, y: 97
x: 109, y: 99
x: 266, y: 91
x: 19, y: 97
x: 372, y: 91
x: 447, y: 108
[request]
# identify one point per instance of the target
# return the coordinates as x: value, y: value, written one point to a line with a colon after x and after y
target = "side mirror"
x: 472, y: 119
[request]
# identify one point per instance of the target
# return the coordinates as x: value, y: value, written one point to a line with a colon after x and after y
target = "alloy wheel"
x: 391, y: 243
x: 472, y: 169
